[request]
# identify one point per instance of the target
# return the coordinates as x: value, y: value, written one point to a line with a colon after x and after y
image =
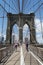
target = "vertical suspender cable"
x: 19, y: 5
x: 41, y: 22
x: 3, y: 24
x: 9, y: 6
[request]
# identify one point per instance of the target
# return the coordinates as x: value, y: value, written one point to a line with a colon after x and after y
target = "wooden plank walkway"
x: 14, y: 59
x: 22, y: 58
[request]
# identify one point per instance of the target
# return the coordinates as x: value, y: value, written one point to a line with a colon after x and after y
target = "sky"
x: 27, y: 9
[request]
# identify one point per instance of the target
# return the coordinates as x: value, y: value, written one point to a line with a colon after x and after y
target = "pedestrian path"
x: 14, y: 59
x: 30, y: 58
x: 22, y: 57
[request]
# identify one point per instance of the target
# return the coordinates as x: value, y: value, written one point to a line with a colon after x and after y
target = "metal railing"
x: 5, y: 53
x: 37, y: 50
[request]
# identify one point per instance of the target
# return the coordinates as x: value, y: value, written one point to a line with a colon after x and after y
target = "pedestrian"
x: 26, y: 43
x: 16, y: 44
x: 27, y: 46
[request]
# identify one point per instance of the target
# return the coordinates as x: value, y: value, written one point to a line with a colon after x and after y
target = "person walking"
x: 16, y: 44
x: 27, y: 46
x: 26, y: 43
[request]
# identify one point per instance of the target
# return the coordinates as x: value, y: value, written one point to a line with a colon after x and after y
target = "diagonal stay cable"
x: 33, y: 5
x: 38, y: 8
x: 10, y: 6
x: 3, y: 23
x: 22, y: 5
x: 27, y: 5
x: 4, y: 8
x: 25, y: 1
x: 14, y: 5
x: 41, y: 22
x: 18, y: 4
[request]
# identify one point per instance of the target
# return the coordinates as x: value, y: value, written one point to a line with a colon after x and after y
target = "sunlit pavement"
x: 22, y: 57
x: 14, y: 59
x: 29, y: 59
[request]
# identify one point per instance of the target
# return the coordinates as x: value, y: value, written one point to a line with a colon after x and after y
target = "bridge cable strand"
x: 3, y: 24
x: 41, y: 22
x: 25, y: 2
x: 19, y: 5
x: 15, y: 6
x: 34, y: 5
x: 22, y: 5
x: 38, y: 8
x: 10, y: 6
x: 27, y: 5
x: 3, y: 8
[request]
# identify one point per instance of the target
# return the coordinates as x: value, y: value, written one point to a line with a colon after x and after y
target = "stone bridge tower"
x: 20, y: 20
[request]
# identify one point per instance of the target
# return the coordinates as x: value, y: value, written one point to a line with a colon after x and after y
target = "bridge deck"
x: 22, y: 57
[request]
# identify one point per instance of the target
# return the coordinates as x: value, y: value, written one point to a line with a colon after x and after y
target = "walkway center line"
x: 22, y: 57
x: 36, y: 57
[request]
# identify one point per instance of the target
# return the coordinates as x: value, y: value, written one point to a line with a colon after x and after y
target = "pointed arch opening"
x: 26, y: 32
x: 15, y: 33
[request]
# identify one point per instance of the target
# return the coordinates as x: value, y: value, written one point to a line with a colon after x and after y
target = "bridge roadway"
x: 22, y: 57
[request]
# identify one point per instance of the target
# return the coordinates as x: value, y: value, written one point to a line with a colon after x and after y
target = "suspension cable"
x: 10, y: 6
x: 33, y: 5
x: 19, y: 5
x: 3, y: 24
x: 41, y: 22
x: 22, y: 5
x: 18, y: 2
x: 38, y: 8
x: 26, y: 4
x: 3, y: 8
x: 14, y: 5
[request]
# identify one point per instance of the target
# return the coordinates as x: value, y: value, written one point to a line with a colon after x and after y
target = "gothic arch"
x: 20, y: 20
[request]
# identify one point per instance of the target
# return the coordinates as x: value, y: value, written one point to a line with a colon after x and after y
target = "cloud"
x: 3, y: 36
x: 13, y: 34
x: 38, y: 30
x: 39, y: 39
x: 25, y: 28
x: 26, y: 32
x: 16, y: 36
x: 37, y: 25
x: 42, y: 24
x: 0, y: 34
